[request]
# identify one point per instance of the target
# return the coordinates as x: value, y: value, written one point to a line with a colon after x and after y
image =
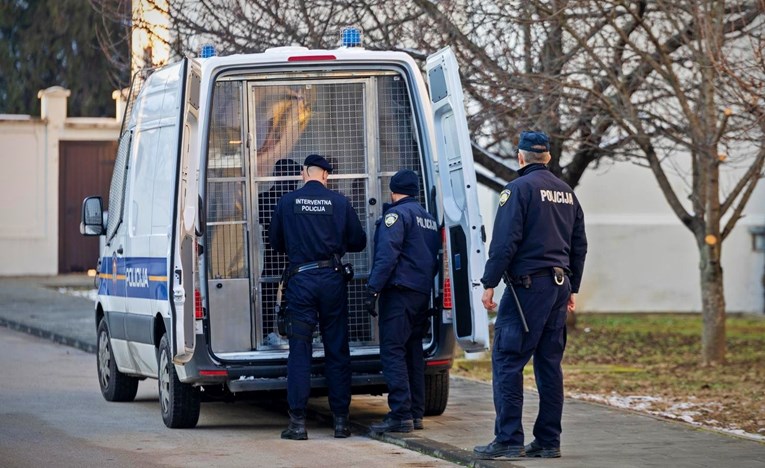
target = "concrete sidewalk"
x: 594, y: 435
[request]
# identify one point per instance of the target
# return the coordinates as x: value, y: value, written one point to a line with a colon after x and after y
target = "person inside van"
x: 273, y: 262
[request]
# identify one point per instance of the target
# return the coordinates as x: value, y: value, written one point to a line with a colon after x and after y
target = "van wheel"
x: 178, y: 401
x: 115, y: 386
x: 436, y: 393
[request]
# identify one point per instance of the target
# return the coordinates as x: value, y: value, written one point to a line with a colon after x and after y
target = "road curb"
x: 439, y: 450
x: 411, y: 441
x: 48, y: 335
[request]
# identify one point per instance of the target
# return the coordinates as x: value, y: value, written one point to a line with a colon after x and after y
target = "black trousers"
x: 544, y: 305
x: 321, y: 296
x: 403, y: 322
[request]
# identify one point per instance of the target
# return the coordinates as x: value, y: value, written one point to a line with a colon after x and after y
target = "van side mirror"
x: 92, y: 222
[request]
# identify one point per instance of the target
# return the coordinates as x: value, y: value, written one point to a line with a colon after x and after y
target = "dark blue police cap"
x: 318, y: 161
x: 405, y: 182
x: 536, y: 142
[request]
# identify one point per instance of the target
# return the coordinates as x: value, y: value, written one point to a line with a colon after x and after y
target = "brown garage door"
x: 85, y: 169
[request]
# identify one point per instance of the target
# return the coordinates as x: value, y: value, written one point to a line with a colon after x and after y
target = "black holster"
x: 281, y: 303
x: 345, y: 269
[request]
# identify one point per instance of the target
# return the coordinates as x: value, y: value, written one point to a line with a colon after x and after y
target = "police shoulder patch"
x: 504, y: 196
x: 391, y: 218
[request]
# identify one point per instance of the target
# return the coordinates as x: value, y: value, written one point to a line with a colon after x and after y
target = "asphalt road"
x: 52, y: 414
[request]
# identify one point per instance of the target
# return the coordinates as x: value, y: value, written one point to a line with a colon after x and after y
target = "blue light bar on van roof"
x: 207, y: 51
x: 351, y: 37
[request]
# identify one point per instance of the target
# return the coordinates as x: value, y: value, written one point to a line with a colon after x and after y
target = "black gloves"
x: 370, y: 300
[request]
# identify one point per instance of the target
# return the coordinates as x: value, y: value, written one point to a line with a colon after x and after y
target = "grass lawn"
x: 658, y: 355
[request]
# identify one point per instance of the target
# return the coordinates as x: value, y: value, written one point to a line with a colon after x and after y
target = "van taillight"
x: 442, y: 362
x: 447, y: 280
x: 198, y: 311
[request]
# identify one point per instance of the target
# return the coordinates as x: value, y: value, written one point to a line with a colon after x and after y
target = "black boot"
x: 342, y: 427
x: 498, y: 449
x: 392, y: 425
x: 535, y: 449
x: 296, y: 429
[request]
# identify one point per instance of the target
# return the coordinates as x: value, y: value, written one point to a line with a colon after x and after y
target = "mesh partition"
x: 363, y: 126
x: 137, y: 82
x: 119, y: 177
x: 292, y: 121
x: 226, y: 186
x: 117, y: 187
x: 398, y: 147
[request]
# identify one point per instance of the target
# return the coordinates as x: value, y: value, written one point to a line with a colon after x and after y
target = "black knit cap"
x: 405, y: 182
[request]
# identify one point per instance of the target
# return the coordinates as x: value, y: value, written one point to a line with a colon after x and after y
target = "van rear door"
x: 462, y: 218
x: 185, y: 91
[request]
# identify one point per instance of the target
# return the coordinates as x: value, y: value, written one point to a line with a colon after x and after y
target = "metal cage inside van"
x: 187, y: 279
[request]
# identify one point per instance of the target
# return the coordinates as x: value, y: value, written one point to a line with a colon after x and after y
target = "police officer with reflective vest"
x: 315, y: 227
x: 407, y: 241
x: 538, y: 247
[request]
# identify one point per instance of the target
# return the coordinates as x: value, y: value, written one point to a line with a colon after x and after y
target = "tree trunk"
x: 713, y: 305
x: 710, y: 20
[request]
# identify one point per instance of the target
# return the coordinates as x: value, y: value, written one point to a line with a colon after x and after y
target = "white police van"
x: 186, y: 280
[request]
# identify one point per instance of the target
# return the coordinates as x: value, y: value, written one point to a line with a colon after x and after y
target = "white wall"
x: 29, y: 157
x: 641, y: 258
x: 26, y: 229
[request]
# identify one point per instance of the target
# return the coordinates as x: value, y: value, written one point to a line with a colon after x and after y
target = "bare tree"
x: 686, y: 79
x: 659, y: 82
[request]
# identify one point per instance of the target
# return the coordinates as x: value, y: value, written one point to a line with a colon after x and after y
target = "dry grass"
x: 658, y: 355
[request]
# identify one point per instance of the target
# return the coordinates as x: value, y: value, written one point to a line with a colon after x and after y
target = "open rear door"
x: 462, y: 218
x: 184, y: 85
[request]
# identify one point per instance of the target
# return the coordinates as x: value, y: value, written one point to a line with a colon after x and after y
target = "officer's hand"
x: 488, y: 299
x: 370, y: 300
x: 438, y: 302
x: 571, y: 303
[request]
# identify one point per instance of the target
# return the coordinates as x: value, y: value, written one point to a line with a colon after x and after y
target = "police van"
x: 187, y: 283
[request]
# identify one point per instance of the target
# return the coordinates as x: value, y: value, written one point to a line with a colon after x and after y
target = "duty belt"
x: 312, y: 266
x: 557, y: 273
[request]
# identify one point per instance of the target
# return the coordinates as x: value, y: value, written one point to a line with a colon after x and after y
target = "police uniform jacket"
x: 406, y: 248
x: 313, y: 223
x: 539, y: 225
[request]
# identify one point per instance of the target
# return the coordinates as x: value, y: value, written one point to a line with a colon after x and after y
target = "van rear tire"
x: 179, y: 402
x: 436, y: 393
x: 115, y: 386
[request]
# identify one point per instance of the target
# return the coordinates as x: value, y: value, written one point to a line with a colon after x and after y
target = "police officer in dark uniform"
x: 405, y: 261
x: 538, y: 246
x: 315, y: 226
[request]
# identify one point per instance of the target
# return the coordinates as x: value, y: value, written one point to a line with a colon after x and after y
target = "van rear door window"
x: 226, y: 213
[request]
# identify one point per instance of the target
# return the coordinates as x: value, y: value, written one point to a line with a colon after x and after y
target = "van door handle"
x: 119, y: 250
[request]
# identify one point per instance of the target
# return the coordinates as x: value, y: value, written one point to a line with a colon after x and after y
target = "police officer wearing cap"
x: 538, y: 247
x: 407, y: 241
x: 315, y: 227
